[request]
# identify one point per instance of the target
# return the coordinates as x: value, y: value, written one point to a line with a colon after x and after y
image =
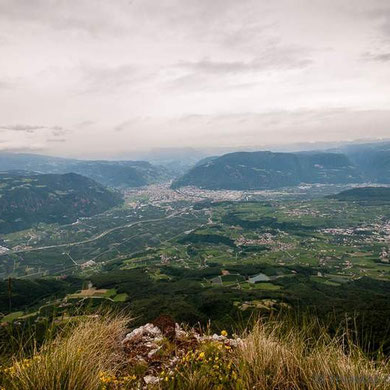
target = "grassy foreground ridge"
x: 94, y: 354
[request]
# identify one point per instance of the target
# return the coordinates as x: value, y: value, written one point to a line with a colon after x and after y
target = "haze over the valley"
x: 102, y: 79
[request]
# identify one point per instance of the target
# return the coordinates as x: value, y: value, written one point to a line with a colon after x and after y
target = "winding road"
x: 94, y: 238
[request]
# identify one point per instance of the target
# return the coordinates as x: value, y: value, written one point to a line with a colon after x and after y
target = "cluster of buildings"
x: 3, y: 250
x: 162, y: 193
x: 268, y: 239
x: 385, y: 255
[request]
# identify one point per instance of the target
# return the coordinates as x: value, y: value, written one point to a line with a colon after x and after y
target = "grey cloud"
x: 273, y: 117
x: 218, y: 67
x: 228, y: 23
x: 269, y: 60
x: 251, y: 129
x: 8, y: 147
x: 247, y: 35
x: 382, y: 57
x: 23, y: 128
x: 5, y: 85
x: 84, y: 15
x: 111, y: 78
x: 198, y: 81
x: 58, y: 140
x: 209, y: 75
x: 121, y: 126
x: 85, y: 124
x: 382, y: 15
x: 292, y: 126
x: 130, y: 123
x: 56, y: 130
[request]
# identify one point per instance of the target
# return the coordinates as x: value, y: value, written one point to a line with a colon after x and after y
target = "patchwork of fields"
x: 207, y: 256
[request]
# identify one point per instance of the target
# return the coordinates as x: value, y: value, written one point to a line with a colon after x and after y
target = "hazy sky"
x: 102, y: 77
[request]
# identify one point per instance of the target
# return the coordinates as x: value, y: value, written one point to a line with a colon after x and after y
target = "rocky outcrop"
x: 160, y: 346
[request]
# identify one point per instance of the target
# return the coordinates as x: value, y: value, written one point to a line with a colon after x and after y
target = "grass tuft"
x: 73, y: 360
x: 275, y: 357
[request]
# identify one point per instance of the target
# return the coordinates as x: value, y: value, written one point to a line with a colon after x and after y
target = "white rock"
x: 151, y: 380
x: 153, y: 351
x: 236, y: 342
x: 150, y: 344
x: 218, y: 337
x: 145, y: 330
x: 179, y: 331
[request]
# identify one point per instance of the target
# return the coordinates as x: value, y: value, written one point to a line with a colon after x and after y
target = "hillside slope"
x: 372, y: 159
x: 109, y: 173
x: 121, y: 173
x: 29, y: 199
x: 267, y: 170
x: 364, y: 194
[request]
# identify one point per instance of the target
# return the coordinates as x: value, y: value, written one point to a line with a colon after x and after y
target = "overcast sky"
x: 99, y: 78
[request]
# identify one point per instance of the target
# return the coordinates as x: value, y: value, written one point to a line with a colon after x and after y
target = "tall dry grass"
x: 276, y: 356
x: 73, y: 360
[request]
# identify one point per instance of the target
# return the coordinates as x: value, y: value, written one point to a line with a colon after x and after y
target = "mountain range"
x: 349, y: 163
x: 269, y: 170
x: 110, y: 173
